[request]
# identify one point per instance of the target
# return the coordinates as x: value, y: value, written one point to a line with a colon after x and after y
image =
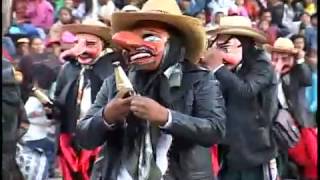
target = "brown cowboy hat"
x: 168, y: 12
x: 239, y: 25
x: 282, y: 45
x: 90, y: 26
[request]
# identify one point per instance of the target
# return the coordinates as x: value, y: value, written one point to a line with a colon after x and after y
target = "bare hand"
x: 150, y: 110
x: 117, y: 109
x: 301, y: 54
x: 79, y: 48
x: 213, y: 58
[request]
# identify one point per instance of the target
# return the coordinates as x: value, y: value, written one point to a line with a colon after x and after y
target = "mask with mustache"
x: 144, y: 45
x: 87, y: 48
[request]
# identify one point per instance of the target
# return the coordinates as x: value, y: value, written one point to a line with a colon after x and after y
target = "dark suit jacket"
x: 248, y: 140
x: 198, y: 120
x: 66, y: 90
x: 294, y: 85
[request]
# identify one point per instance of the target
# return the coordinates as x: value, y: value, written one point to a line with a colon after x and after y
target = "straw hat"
x: 240, y: 25
x: 211, y: 30
x: 168, y: 12
x: 90, y: 26
x: 282, y: 45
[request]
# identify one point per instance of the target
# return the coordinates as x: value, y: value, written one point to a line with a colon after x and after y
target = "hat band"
x: 158, y: 11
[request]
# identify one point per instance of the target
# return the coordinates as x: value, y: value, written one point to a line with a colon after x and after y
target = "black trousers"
x: 10, y: 169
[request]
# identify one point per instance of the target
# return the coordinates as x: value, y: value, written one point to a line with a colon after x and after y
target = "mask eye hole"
x: 151, y: 38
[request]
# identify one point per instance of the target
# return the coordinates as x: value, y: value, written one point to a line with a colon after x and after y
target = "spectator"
x: 269, y: 30
x: 202, y: 16
x: 217, y: 16
x: 277, y: 10
x: 253, y: 9
x: 20, y: 12
x: 8, y: 44
x: 221, y: 5
x: 23, y: 48
x: 65, y: 17
x: 266, y: 15
x: 105, y: 13
x: 37, y: 46
x: 242, y: 11
x: 193, y: 7
x: 299, y: 41
x: 311, y: 33
x: 35, y: 154
x: 58, y: 4
x: 312, y: 92
x: 96, y: 6
x: 291, y: 12
x: 41, y: 13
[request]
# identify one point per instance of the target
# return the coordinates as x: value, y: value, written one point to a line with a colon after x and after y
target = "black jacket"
x: 66, y: 90
x: 294, y: 85
x: 198, y: 122
x: 12, y: 107
x: 251, y: 106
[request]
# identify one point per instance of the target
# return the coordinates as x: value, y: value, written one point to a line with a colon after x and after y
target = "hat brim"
x: 50, y: 43
x: 103, y: 32
x: 258, y: 36
x: 191, y: 28
x: 271, y: 49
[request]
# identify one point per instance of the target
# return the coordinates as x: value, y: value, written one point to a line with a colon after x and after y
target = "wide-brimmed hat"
x: 240, y: 25
x: 282, y: 45
x: 168, y: 12
x: 90, y: 26
x: 211, y: 30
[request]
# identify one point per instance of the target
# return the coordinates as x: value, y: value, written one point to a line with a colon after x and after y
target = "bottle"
x: 41, y: 96
x: 123, y: 84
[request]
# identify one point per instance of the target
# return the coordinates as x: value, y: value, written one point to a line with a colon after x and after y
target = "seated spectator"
x: 41, y: 13
x: 37, y: 46
x: 23, y: 47
x: 20, y: 12
x: 65, y: 17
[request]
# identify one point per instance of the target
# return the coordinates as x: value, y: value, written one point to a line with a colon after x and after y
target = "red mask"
x: 88, y: 48
x: 144, y: 44
x: 232, y: 48
x: 282, y: 62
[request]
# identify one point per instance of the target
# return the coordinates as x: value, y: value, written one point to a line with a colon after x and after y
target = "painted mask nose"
x: 127, y: 39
